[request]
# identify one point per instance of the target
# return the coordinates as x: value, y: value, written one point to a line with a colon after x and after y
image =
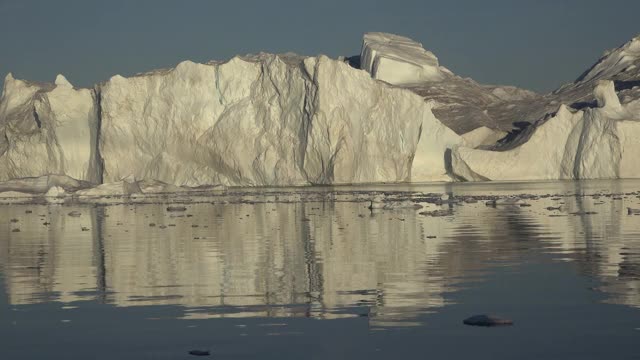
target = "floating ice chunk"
x: 42, y: 184
x: 118, y: 188
x: 14, y: 194
x: 55, y: 191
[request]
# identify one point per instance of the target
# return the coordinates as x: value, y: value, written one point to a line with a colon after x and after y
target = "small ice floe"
x: 487, y: 321
x: 55, y: 195
x: 125, y: 187
x: 380, y: 203
x: 436, y: 213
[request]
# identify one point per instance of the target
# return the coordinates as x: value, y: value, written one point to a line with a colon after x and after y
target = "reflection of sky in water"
x: 315, y: 254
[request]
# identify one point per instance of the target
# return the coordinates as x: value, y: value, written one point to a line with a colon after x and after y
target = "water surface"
x: 313, y: 273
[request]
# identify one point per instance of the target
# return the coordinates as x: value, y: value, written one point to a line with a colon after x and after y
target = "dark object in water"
x: 487, y: 320
x: 176, y: 208
x: 74, y: 213
x: 631, y: 211
x: 199, y: 352
x: 436, y: 213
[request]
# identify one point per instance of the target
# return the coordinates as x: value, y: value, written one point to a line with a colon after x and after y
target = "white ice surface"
x: 595, y: 143
x: 268, y: 120
x: 48, y: 129
x: 290, y: 120
x: 482, y: 136
x: 398, y: 60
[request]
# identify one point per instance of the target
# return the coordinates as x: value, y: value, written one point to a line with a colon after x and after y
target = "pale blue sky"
x: 533, y: 44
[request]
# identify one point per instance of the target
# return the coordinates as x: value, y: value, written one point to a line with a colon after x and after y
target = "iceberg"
x: 288, y: 120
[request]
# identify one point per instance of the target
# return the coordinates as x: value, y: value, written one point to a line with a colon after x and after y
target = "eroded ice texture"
x: 291, y: 120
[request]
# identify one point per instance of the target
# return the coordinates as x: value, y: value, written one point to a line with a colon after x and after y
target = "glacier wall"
x: 255, y: 120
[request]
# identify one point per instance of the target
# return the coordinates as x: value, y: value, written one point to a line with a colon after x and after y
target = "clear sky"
x: 533, y: 44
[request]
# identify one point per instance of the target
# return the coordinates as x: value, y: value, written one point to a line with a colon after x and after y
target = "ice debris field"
x: 392, y: 114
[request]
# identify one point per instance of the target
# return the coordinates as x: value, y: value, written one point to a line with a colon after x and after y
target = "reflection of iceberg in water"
x: 320, y: 259
x: 47, y: 262
x: 317, y: 259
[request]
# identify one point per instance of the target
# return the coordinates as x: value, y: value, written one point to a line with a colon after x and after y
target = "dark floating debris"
x: 584, y: 213
x: 631, y: 211
x: 85, y: 228
x: 176, y: 208
x: 508, y: 201
x: 199, y: 352
x: 487, y: 321
x: 14, y: 220
x: 152, y: 224
x: 74, y: 213
x: 436, y: 213
x: 15, y: 230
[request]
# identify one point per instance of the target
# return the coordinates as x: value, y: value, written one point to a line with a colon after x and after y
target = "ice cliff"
x: 260, y: 120
x: 254, y: 120
x: 602, y: 142
x: 48, y: 129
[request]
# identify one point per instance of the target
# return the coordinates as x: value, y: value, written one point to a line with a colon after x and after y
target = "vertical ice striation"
x: 48, y: 129
x: 268, y: 120
x: 265, y: 119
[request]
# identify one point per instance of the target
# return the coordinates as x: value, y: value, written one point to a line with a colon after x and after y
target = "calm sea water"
x: 312, y: 273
